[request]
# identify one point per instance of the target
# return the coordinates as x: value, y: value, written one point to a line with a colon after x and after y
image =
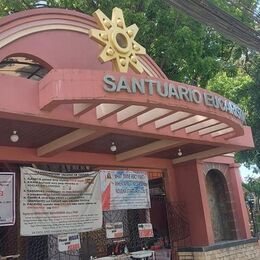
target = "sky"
x: 246, y: 172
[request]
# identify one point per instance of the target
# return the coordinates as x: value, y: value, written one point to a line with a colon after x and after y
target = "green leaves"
x: 253, y: 185
x: 185, y: 50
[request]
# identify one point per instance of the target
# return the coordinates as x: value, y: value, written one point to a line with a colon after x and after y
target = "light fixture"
x: 179, y: 152
x: 14, y: 137
x: 113, y: 147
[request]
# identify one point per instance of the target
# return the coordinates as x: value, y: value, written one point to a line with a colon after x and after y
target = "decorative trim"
x: 35, y: 27
x: 223, y: 168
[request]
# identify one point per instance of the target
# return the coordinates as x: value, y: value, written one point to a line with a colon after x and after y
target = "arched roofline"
x: 18, y: 25
x: 36, y: 13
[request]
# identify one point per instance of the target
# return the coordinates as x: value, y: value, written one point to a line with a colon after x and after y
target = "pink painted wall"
x: 170, y: 184
x: 192, y: 191
x: 60, y: 49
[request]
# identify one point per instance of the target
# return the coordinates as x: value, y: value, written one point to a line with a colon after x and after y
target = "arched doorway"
x: 220, y: 206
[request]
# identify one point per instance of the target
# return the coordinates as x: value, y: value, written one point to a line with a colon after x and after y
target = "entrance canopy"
x: 71, y: 85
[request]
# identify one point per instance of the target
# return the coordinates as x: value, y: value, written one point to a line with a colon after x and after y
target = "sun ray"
x: 138, y: 48
x: 100, y: 36
x: 102, y: 20
x: 107, y: 54
x: 132, y: 30
x: 136, y: 66
x: 118, y: 18
x: 122, y: 64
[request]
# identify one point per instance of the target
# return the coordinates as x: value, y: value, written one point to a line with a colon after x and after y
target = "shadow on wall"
x: 222, y: 218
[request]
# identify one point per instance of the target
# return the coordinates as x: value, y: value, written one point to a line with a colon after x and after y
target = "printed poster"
x: 68, y: 242
x: 7, y: 198
x: 145, y: 230
x: 124, y: 190
x: 114, y: 230
x: 59, y: 203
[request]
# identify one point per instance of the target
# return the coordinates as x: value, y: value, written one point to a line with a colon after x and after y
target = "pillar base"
x: 228, y: 250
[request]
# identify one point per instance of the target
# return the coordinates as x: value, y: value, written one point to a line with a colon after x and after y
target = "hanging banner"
x: 124, y: 190
x: 59, y: 203
x: 114, y: 230
x: 145, y: 230
x: 7, y: 198
x: 68, y: 242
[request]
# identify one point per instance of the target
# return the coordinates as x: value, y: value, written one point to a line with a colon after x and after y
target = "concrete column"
x: 192, y: 190
x: 240, y: 210
x: 170, y: 184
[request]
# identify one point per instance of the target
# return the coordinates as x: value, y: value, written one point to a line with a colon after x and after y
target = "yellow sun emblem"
x: 118, y: 41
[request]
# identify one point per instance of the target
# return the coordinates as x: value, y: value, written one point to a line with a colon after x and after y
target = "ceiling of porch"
x: 35, y: 135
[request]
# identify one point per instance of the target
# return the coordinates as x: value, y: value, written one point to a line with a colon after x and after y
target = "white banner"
x: 7, y: 198
x: 124, y: 190
x: 59, y: 203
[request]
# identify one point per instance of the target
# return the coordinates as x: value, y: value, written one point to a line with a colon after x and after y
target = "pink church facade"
x: 68, y: 108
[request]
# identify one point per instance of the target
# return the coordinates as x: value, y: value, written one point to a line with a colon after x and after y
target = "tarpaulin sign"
x: 68, y: 242
x: 114, y: 230
x: 7, y: 198
x: 145, y: 230
x: 124, y: 190
x: 59, y: 203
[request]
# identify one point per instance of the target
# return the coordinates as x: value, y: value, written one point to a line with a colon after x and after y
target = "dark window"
x: 24, y: 67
